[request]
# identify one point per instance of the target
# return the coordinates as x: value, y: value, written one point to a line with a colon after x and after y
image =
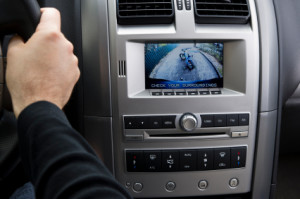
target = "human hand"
x: 44, y: 68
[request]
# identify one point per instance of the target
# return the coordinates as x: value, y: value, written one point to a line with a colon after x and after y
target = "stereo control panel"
x: 187, y: 121
x: 187, y: 125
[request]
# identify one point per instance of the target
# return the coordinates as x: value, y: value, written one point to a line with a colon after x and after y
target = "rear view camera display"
x: 183, y: 65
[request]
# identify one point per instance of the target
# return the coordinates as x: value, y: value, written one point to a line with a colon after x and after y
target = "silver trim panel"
x: 264, y: 155
x: 269, y: 55
x: 129, y: 97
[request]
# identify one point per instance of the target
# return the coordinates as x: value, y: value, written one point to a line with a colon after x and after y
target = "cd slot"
x: 188, y: 135
x: 178, y: 134
x: 209, y: 134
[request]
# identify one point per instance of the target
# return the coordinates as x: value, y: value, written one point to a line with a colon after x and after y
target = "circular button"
x: 127, y: 185
x: 234, y: 182
x: 137, y: 187
x: 188, y: 122
x: 170, y: 186
x: 202, y: 184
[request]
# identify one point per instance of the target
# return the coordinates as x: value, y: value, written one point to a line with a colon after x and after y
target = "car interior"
x: 179, y: 98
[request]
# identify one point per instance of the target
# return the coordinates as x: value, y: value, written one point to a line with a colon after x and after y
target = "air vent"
x: 133, y: 12
x: 122, y: 68
x: 221, y: 11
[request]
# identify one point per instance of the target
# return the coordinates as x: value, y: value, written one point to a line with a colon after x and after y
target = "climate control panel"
x: 185, y: 160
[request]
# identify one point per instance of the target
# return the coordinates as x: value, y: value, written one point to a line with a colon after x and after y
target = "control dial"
x: 188, y: 122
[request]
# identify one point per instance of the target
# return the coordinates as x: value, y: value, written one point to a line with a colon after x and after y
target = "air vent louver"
x: 122, y: 68
x: 132, y: 12
x: 221, y: 11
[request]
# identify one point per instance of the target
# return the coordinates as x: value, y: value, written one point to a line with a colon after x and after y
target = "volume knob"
x: 188, y: 122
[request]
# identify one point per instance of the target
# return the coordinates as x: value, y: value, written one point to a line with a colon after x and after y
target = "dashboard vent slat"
x: 122, y: 69
x: 222, y: 11
x: 133, y: 12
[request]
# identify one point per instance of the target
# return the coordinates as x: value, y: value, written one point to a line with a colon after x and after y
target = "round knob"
x: 188, y: 122
x: 137, y: 187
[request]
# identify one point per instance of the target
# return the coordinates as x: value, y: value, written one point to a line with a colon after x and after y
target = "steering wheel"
x: 16, y: 17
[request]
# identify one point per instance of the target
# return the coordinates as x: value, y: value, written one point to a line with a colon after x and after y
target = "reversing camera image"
x: 183, y: 65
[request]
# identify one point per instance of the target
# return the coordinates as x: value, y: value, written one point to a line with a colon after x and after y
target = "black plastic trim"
x: 225, y: 16
x: 143, y: 15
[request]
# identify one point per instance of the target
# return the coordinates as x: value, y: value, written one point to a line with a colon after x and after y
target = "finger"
x: 15, y: 43
x: 50, y: 20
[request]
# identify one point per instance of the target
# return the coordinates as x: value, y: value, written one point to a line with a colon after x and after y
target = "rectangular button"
x: 188, y: 4
x: 141, y: 122
x: 219, y: 120
x: 244, y: 119
x: 168, y: 121
x: 192, y: 93
x: 238, y: 157
x: 134, y: 137
x: 222, y: 158
x: 232, y: 120
x: 207, y: 120
x: 130, y: 123
x: 134, y: 161
x: 205, y: 159
x: 179, y: 4
x: 180, y: 93
x: 204, y: 92
x: 154, y: 122
x: 157, y: 93
x: 215, y: 92
x: 188, y: 160
x: 152, y: 160
x: 170, y: 160
x: 169, y: 93
x: 134, y: 122
x: 238, y: 134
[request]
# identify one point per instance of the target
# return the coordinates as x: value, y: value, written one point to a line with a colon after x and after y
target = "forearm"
x: 60, y: 162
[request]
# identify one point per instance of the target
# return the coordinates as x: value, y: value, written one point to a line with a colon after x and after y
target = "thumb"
x: 15, y: 43
x: 50, y: 20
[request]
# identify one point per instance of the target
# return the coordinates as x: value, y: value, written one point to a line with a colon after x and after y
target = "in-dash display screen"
x: 183, y: 65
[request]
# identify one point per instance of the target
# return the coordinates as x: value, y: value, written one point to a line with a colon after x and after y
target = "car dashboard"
x: 178, y: 130
x: 185, y: 98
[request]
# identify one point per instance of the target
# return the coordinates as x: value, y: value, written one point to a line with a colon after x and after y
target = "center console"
x: 183, y: 98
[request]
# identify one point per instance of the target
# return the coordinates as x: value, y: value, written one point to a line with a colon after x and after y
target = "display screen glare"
x: 183, y: 65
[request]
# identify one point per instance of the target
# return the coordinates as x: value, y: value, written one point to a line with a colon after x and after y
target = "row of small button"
x: 225, y: 120
x: 187, y: 4
x: 170, y: 186
x: 149, y: 122
x: 163, y: 122
x: 186, y: 160
x: 172, y: 93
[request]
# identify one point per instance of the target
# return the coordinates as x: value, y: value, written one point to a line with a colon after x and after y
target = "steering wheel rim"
x: 8, y: 123
x: 1, y: 76
x: 10, y: 160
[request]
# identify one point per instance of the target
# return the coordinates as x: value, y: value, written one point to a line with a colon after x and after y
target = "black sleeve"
x: 60, y: 163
